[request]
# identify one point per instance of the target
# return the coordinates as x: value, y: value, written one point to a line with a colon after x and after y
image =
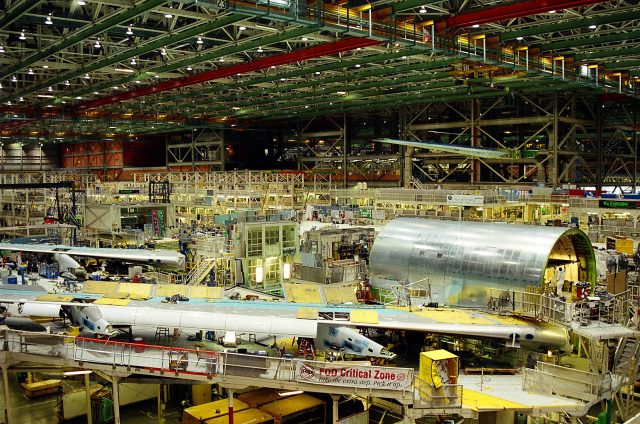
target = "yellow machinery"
x: 438, y: 367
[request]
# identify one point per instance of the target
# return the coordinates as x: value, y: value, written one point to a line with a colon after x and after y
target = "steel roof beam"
x: 203, y: 57
x: 571, y: 24
x: 110, y: 60
x: 82, y: 34
x: 513, y: 11
x: 280, y: 59
x: 592, y: 39
x: 411, y: 4
x: 607, y: 54
x: 292, y: 74
x: 11, y: 15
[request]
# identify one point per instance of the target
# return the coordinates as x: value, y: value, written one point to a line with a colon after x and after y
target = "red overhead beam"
x: 279, y: 59
x: 13, y: 124
x: 514, y: 10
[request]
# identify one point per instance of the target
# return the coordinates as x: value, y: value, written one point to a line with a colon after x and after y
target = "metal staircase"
x: 200, y: 272
x: 625, y: 367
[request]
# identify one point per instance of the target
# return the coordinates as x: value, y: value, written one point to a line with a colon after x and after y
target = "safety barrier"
x: 256, y: 369
x: 549, y: 379
x: 614, y: 309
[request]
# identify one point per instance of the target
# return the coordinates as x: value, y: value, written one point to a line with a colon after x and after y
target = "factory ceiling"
x: 114, y: 68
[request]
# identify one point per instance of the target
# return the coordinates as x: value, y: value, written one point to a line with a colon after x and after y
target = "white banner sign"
x: 465, y: 200
x: 354, y: 376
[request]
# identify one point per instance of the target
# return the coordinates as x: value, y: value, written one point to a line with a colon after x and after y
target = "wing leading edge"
x: 448, y: 148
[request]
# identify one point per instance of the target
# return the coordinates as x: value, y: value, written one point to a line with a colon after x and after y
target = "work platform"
x: 235, y: 370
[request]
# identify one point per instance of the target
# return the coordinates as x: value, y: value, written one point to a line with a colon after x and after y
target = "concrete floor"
x: 42, y: 410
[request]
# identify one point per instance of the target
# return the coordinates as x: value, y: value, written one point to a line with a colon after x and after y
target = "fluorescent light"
x: 133, y: 60
x: 50, y: 88
x: 66, y: 82
x: 48, y: 21
x: 475, y: 26
x: 14, y: 79
x: 22, y: 36
x: 1, y: 48
x: 97, y: 44
x: 45, y: 96
x: 129, y: 31
x: 290, y: 393
x: 30, y: 72
x: 86, y: 76
x: 163, y: 51
x: 189, y: 68
x: 128, y: 71
x: 358, y: 65
x: 551, y: 12
x: 242, y: 28
x: 81, y: 2
x: 341, y: 92
x: 422, y: 10
x: 222, y: 59
x: 260, y: 50
x: 593, y: 26
x: 45, y: 66
x: 519, y: 38
x: 305, y: 39
x: 168, y: 15
x: 199, y: 40
x: 78, y: 372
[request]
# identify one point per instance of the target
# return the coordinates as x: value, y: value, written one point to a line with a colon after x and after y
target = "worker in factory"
x: 559, y: 276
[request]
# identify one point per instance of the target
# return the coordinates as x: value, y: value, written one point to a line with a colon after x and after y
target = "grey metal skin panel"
x: 462, y: 259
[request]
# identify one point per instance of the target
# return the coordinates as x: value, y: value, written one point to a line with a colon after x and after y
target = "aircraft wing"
x: 152, y: 257
x: 448, y: 148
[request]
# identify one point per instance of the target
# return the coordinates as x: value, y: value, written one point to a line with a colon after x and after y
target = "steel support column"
x: 115, y: 389
x: 7, y: 400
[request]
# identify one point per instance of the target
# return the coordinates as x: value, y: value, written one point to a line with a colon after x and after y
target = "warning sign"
x: 354, y: 376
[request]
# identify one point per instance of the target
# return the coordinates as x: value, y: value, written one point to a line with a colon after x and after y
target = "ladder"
x: 200, y: 271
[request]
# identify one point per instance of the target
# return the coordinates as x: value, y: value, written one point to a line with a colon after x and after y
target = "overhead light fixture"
x: 48, y: 21
x: 475, y: 26
x: 273, y: 66
x: 97, y: 44
x: 0, y: 85
x: 358, y: 65
x: 21, y: 99
x: 222, y: 59
x: 66, y: 82
x: 9, y: 103
x: 45, y: 96
x: 86, y: 76
x: 125, y: 70
x: 422, y: 10
x: 45, y: 66
x: 260, y: 50
x: 199, y: 40
x: 133, y: 60
x: 168, y: 14
x: 137, y: 81
x: 163, y: 51
x: 341, y: 92
x: 1, y: 48
x: 242, y: 28
x: 78, y: 372
x: 189, y: 68
x: 81, y: 2
x: 78, y: 98
x: 305, y: 39
x: 30, y: 71
x: 551, y: 12
x: 14, y: 79
x: 49, y: 88
x: 129, y: 31
x: 403, y: 57
x: 519, y: 38
x: 22, y: 36
x: 593, y: 26
x: 317, y: 72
